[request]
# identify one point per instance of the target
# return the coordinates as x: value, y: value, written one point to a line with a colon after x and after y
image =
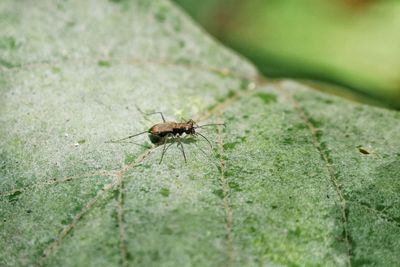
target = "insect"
x: 170, y: 132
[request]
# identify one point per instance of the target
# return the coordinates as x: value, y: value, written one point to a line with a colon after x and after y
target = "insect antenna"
x: 210, y: 124
x: 205, y: 139
x: 207, y: 157
x: 202, y: 150
x: 119, y: 140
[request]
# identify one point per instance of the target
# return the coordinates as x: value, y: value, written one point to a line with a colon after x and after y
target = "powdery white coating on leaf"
x: 126, y: 30
x: 370, y: 182
x: 59, y: 108
x: 285, y: 183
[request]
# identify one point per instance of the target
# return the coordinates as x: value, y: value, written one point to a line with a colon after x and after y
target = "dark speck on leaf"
x: 294, y: 233
x: 129, y: 158
x: 161, y: 15
x: 266, y: 97
x: 288, y: 141
x: 363, y: 151
x: 104, y: 63
x: 219, y: 193
x: 8, y: 42
x: 231, y: 94
x: 380, y: 207
x: 315, y: 123
x: 234, y: 186
x: 164, y: 192
x: 14, y: 197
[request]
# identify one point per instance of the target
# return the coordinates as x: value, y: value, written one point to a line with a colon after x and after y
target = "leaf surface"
x: 295, y: 178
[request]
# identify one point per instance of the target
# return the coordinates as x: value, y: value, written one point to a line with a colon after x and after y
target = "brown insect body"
x: 161, y: 130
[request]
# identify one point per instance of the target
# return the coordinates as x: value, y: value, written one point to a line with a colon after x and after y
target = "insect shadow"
x: 168, y: 133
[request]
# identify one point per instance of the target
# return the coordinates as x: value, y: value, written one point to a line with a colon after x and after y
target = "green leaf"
x: 287, y: 182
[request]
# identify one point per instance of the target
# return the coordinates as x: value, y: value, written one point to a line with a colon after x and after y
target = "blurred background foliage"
x: 346, y: 47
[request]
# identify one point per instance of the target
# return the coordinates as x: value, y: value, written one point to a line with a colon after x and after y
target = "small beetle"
x: 161, y: 133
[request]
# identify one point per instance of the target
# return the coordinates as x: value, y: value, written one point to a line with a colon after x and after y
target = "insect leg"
x: 164, y: 149
x: 182, y: 149
x: 147, y: 114
x: 158, y: 112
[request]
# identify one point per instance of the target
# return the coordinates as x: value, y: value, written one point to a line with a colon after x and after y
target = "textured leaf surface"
x: 296, y: 178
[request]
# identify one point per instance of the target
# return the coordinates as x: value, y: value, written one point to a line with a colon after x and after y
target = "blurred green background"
x: 346, y: 47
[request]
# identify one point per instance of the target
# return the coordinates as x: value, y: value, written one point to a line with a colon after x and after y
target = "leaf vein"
x: 332, y: 173
x: 225, y: 190
x: 56, y: 181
